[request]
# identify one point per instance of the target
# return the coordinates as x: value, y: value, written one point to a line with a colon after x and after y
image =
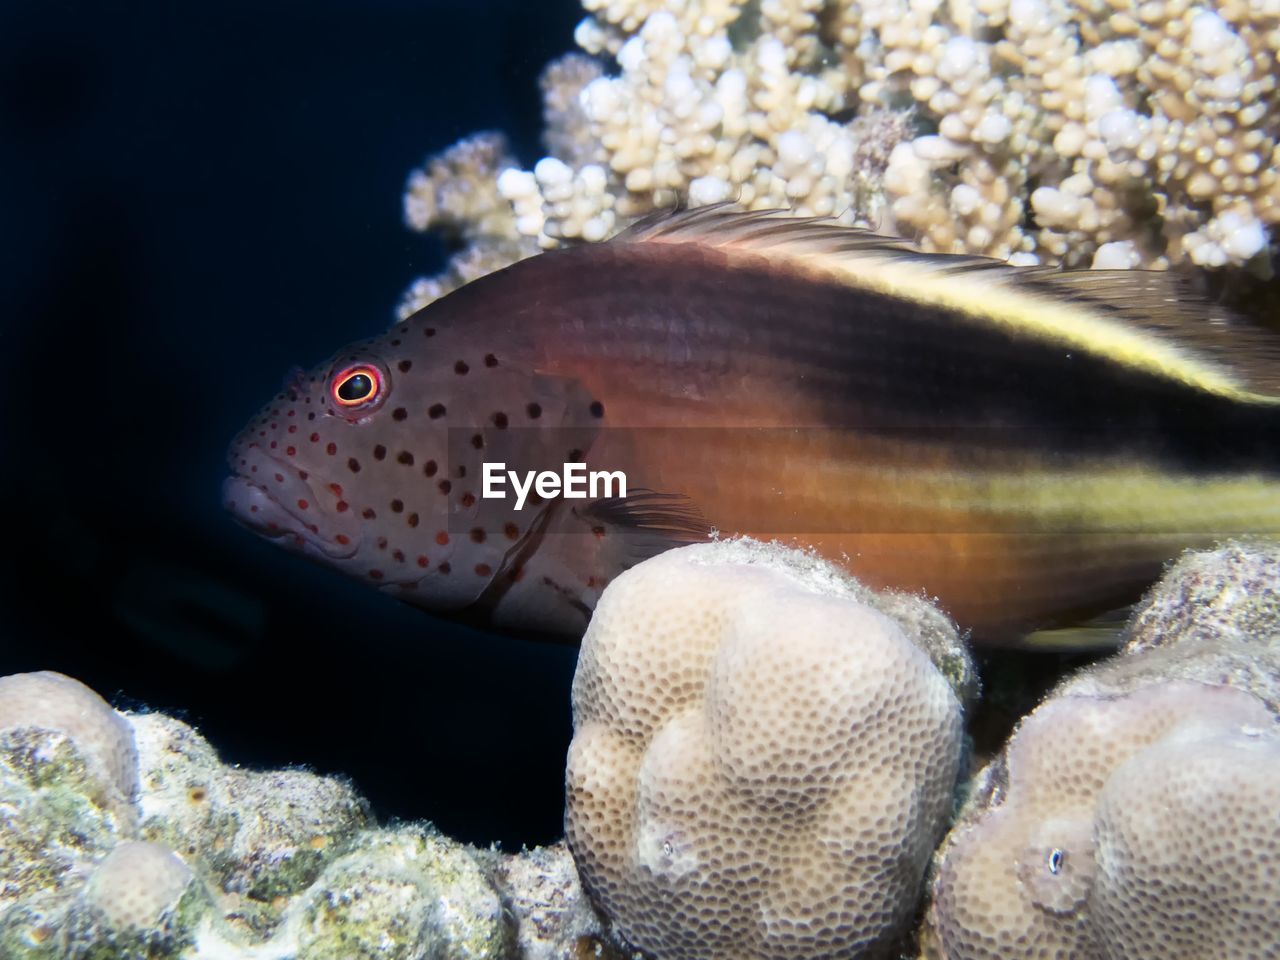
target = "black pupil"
x: 356, y: 387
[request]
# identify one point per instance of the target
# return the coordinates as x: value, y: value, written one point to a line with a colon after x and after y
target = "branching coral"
x: 1077, y: 132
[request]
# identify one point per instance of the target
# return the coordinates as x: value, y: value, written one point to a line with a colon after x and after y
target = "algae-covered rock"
x: 125, y: 837
x: 68, y: 773
x: 1231, y: 593
x: 553, y: 917
x: 402, y: 894
x: 142, y: 902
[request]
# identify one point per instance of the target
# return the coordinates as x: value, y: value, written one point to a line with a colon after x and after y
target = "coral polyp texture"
x: 1077, y: 132
x: 1134, y: 813
x: 124, y: 837
x: 764, y: 756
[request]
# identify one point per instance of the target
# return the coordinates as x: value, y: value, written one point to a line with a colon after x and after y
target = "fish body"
x: 1028, y: 447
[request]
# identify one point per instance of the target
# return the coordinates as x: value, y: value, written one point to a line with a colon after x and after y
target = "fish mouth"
x: 278, y: 501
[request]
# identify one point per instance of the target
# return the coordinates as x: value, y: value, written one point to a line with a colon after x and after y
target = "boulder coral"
x: 1133, y: 814
x: 764, y: 755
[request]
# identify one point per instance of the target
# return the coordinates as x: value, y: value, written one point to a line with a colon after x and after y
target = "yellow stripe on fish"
x: 981, y: 289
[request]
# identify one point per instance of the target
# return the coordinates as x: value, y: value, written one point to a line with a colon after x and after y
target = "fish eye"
x: 356, y: 386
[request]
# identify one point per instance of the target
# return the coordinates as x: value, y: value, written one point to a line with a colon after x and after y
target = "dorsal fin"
x: 1150, y: 319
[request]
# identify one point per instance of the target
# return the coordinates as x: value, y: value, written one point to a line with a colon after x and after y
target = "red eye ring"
x: 356, y: 386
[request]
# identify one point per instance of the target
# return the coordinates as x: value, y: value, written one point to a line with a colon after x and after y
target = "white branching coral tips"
x: 762, y: 759
x: 1077, y: 132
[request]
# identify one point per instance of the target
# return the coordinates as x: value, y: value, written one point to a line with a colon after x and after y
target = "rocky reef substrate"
x: 770, y: 761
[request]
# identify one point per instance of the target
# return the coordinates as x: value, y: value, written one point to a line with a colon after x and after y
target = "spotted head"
x: 372, y: 462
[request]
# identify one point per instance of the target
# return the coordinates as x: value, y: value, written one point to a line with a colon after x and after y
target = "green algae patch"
x: 54, y: 815
x: 402, y: 894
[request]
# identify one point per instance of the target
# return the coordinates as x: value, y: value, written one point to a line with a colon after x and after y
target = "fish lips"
x: 277, y: 501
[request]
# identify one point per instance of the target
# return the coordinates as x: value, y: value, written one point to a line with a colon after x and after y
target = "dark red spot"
x: 331, y: 449
x: 368, y: 513
x: 442, y: 538
x: 343, y: 539
x: 376, y: 574
x: 405, y: 365
x: 477, y: 441
x: 406, y: 458
x: 444, y: 567
x: 436, y: 411
x: 303, y: 505
x: 379, y: 452
x: 534, y: 410
x: 253, y: 509
x: 289, y: 414
x: 395, y: 343
x: 483, y: 569
x: 398, y: 555
x: 445, y: 486
x: 490, y: 360
x: 397, y: 506
x: 293, y: 428
x: 468, y: 499
x: 399, y: 413
x: 273, y: 444
x: 341, y: 506
x: 279, y: 478
x: 429, y: 331
x: 500, y: 420
x: 423, y: 561
x: 336, y: 489
x: 512, y: 531
x: 412, y: 519
x: 354, y: 465
x: 314, y: 438
x: 460, y: 367
x: 291, y: 451
x: 598, y: 531
x: 597, y: 408
x: 303, y: 474
x: 462, y: 470
x: 477, y: 535
x: 430, y: 468
x: 382, y: 543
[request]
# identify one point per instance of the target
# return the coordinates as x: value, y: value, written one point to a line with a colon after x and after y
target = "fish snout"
x: 279, y: 501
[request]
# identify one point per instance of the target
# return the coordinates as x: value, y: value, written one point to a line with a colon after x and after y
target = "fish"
x: 1024, y: 445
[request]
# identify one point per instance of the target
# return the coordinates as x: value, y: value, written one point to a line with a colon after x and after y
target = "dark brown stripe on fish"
x: 867, y: 360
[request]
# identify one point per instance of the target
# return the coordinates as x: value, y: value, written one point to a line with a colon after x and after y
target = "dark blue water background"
x: 194, y: 197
